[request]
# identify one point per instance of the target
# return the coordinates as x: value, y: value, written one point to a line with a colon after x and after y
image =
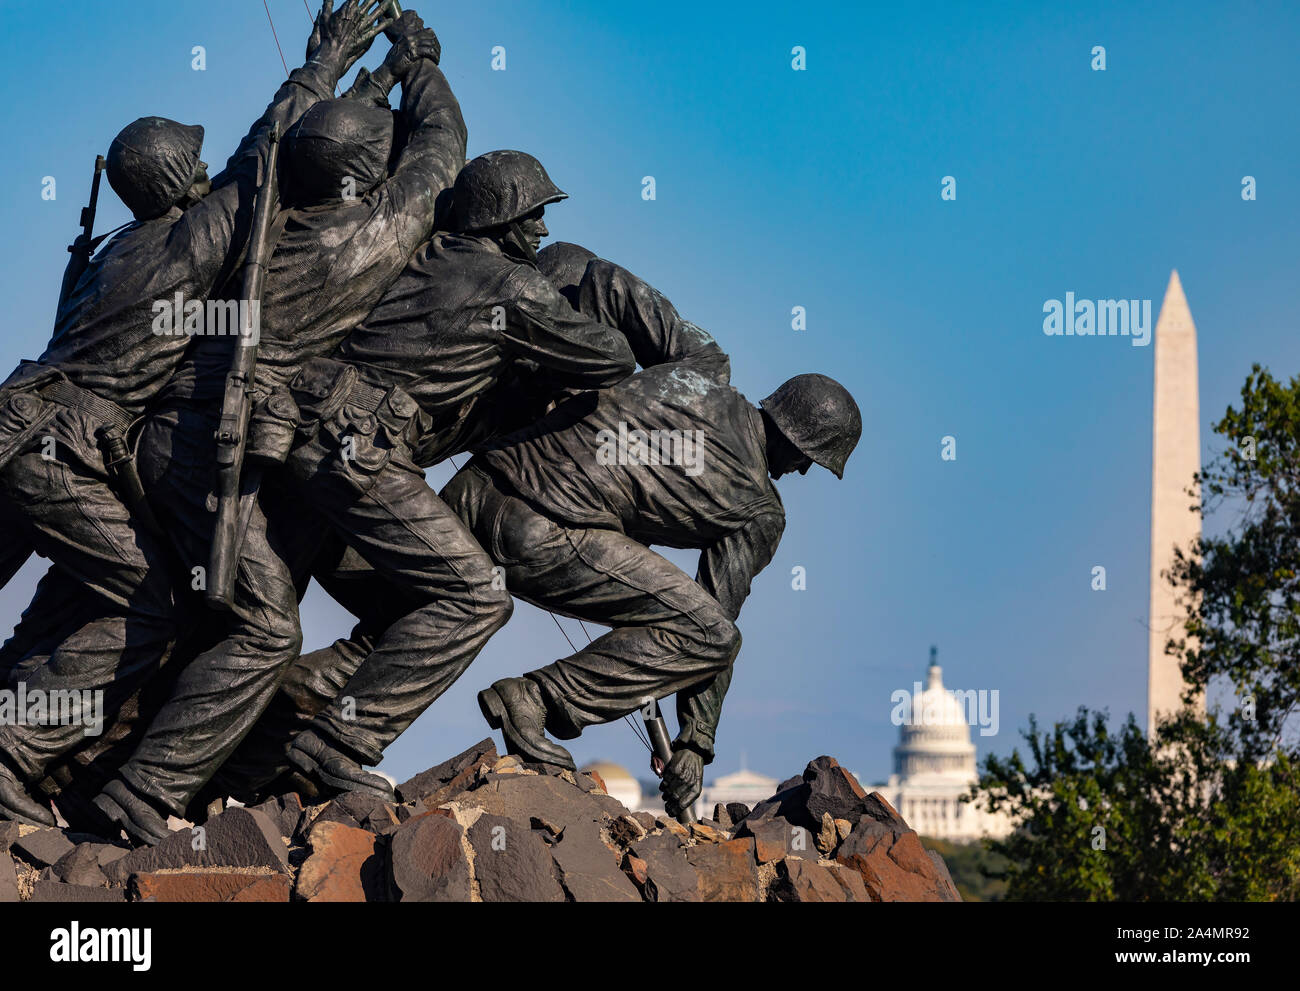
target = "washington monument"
x: 1175, y: 459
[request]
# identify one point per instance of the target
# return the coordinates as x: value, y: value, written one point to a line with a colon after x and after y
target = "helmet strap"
x: 517, y: 244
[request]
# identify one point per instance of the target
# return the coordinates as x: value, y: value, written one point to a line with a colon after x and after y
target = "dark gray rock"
x: 81, y: 866
x: 43, y: 848
x: 669, y: 875
x: 736, y: 811
x: 589, y: 870
x: 56, y: 891
x: 435, y: 778
x: 8, y: 833
x: 8, y: 879
x: 284, y: 810
x: 237, y: 837
x: 427, y: 861
x: 512, y: 864
x: 832, y: 790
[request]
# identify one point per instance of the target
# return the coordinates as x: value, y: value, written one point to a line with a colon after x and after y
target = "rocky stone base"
x: 481, y: 827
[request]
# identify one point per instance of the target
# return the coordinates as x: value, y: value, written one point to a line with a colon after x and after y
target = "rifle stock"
x: 236, y: 490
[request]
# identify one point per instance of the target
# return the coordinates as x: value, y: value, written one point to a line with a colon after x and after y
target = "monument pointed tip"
x: 1175, y: 314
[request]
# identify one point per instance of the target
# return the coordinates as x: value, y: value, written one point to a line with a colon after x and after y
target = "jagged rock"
x: 625, y: 830
x: 8, y: 879
x: 80, y: 865
x: 893, y: 864
x: 832, y: 790
x: 799, y: 880
x: 483, y: 827
x: 827, y: 836
x: 57, y: 891
x: 43, y: 847
x: 237, y: 838
x: 776, y: 838
x: 879, y: 809
x: 669, y: 875
x: 331, y: 811
x: 284, y: 810
x: 427, y: 782
x: 589, y: 870
x: 709, y: 834
x: 646, y: 819
x: 192, y: 885
x: 636, y: 869
x: 512, y: 864
x: 736, y: 812
x: 345, y: 865
x: 427, y: 862
x: 727, y: 871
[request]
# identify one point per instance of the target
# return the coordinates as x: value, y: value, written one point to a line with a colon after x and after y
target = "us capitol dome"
x: 934, y: 766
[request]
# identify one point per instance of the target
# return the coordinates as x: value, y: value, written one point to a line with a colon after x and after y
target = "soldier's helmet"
x: 564, y: 264
x: 151, y: 164
x: 497, y: 188
x: 819, y: 417
x: 337, y: 149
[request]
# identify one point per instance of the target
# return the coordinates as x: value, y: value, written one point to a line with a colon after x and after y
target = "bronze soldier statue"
x: 347, y: 228
x: 570, y: 507
x: 68, y: 489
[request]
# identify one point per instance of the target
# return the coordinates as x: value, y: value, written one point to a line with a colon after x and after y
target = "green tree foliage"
x: 1208, y: 810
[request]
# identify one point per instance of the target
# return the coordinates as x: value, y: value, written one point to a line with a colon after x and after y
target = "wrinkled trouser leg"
x: 220, y: 694
x: 118, y: 619
x: 315, y: 679
x: 413, y: 540
x: 669, y: 634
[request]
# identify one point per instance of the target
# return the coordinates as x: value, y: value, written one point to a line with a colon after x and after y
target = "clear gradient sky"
x: 820, y: 188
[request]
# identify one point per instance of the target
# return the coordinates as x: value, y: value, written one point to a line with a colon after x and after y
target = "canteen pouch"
x: 272, y: 429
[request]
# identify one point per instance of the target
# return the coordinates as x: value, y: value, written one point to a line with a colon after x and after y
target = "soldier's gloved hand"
x: 340, y: 37
x: 409, y: 50
x: 682, y: 781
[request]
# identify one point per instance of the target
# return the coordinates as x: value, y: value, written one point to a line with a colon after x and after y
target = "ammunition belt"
x: 105, y: 411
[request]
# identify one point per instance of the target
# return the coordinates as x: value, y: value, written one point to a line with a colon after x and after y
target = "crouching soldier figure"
x: 569, y: 507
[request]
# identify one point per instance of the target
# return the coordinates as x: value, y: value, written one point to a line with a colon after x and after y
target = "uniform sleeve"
x: 213, y: 233
x: 432, y: 157
x: 727, y: 569
x: 612, y: 295
x: 542, y: 327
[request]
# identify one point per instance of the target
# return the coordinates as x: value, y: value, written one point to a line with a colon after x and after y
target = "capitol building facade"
x: 934, y: 766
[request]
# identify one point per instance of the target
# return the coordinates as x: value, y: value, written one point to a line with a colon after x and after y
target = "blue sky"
x: 820, y: 189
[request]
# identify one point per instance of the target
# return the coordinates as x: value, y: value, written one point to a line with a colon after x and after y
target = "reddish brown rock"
x: 894, y: 866
x: 345, y: 865
x: 727, y: 871
x: 633, y: 867
x: 192, y: 885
